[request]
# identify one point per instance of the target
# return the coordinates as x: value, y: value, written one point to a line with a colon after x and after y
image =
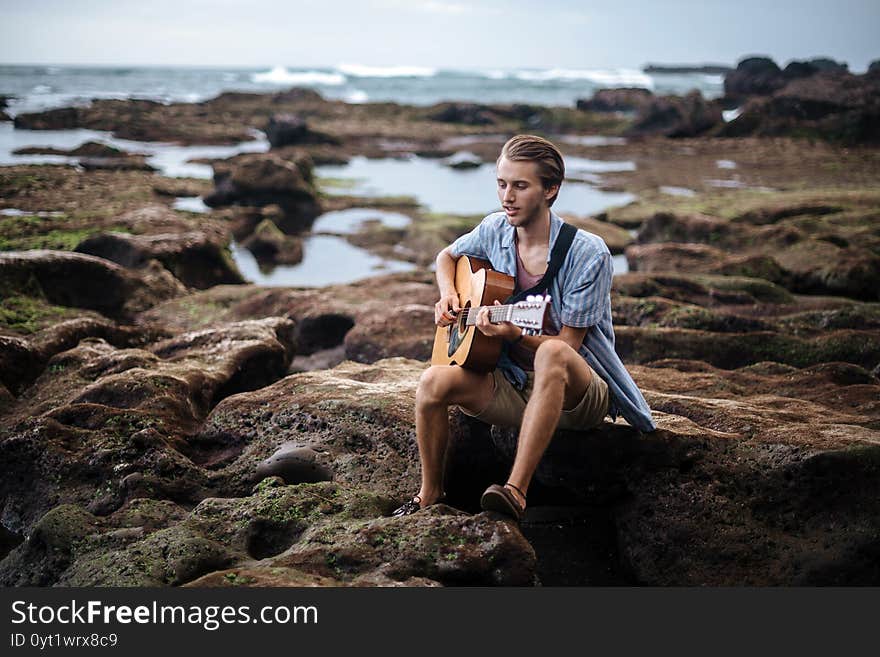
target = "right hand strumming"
x: 446, y: 310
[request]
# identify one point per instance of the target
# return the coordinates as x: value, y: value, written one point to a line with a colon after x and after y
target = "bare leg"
x: 561, y: 380
x: 439, y: 387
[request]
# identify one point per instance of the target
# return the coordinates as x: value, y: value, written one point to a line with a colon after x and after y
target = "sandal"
x: 501, y: 500
x: 408, y: 508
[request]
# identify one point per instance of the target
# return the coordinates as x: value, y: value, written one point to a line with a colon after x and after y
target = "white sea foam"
x: 621, y: 77
x: 359, y: 71
x: 280, y: 75
x: 356, y: 96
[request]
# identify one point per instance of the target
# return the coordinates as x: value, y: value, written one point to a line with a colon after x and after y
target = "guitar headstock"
x: 529, y: 314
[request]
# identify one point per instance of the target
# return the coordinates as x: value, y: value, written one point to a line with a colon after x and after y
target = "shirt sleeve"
x: 587, y: 292
x: 475, y: 243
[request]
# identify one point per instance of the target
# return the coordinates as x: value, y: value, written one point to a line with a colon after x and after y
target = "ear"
x: 550, y: 192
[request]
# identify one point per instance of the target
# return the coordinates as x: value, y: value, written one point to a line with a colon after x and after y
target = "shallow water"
x: 465, y: 192
x: 677, y: 191
x: 327, y: 260
x: 170, y: 159
x: 347, y: 222
x: 190, y: 204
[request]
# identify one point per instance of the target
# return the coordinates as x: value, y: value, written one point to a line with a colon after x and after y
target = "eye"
x: 501, y: 184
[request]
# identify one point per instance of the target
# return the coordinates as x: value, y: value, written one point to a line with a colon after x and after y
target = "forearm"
x: 445, y: 273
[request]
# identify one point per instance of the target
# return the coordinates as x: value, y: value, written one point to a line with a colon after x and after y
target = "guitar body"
x: 477, y: 284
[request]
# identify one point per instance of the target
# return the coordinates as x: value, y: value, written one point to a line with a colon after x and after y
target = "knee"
x: 434, y: 385
x: 550, y: 358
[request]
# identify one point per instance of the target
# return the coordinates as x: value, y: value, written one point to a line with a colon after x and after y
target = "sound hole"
x: 458, y: 331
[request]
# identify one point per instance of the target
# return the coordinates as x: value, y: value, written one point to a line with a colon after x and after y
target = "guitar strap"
x: 557, y: 257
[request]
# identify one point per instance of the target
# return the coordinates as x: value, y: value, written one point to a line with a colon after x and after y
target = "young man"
x: 570, y: 377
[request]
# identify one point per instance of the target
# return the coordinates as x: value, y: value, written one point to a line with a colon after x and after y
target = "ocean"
x: 40, y: 87
x: 434, y: 185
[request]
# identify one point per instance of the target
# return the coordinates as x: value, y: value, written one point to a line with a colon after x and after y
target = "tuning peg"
x: 547, y: 298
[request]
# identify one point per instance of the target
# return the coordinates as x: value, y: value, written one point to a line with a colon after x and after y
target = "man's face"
x: 520, y: 191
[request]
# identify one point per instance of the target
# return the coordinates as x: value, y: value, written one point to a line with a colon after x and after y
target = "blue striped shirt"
x: 580, y: 296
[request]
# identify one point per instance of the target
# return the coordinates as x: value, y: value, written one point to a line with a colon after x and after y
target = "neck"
x: 535, y: 232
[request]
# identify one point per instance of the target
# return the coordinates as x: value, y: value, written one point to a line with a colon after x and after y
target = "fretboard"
x: 497, y: 314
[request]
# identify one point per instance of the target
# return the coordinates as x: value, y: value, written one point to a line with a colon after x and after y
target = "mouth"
x: 509, y: 209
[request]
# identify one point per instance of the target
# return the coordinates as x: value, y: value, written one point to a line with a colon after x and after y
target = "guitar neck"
x: 497, y: 314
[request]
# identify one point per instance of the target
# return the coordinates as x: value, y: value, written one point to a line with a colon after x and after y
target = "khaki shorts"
x: 508, y: 404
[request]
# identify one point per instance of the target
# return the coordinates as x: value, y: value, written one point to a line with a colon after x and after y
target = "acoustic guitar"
x: 478, y: 285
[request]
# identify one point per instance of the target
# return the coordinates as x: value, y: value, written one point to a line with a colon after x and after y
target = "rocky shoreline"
x: 143, y: 381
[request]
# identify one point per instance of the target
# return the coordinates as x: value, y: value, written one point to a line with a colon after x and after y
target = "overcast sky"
x: 437, y: 33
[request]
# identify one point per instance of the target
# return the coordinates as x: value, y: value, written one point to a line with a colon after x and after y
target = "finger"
x: 497, y: 302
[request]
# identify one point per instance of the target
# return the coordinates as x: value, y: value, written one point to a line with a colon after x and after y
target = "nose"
x: 508, y: 194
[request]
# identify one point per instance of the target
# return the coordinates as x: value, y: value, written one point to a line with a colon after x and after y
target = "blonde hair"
x: 551, y: 168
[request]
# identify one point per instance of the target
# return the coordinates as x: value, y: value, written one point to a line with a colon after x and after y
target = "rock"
x: 616, y: 238
x: 289, y: 129
x: 194, y: 258
x: 464, y: 160
x: 292, y: 95
x: 89, y: 149
x: 294, y: 465
x: 671, y: 116
x: 805, y: 262
x: 22, y: 360
x: 829, y: 105
x: 731, y: 350
x: 627, y: 99
x: 406, y: 331
x: 266, y: 179
x: 115, y: 164
x: 704, y: 259
x: 465, y: 113
x: 754, y: 76
x: 84, y: 281
x: 312, y: 534
x: 323, y: 317
x: 270, y: 246
x: 759, y: 496
x: 97, y: 149
x: 708, y: 69
x: 702, y: 289
x: 126, y: 418
x: 62, y: 118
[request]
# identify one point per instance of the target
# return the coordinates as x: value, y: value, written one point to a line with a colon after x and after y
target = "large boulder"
x: 830, y: 104
x: 270, y: 246
x: 259, y: 179
x: 292, y: 130
x: 673, y: 116
x: 754, y: 76
x: 194, y: 258
x: 85, y: 281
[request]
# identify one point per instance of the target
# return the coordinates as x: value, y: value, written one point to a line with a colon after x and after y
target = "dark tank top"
x: 523, y: 356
